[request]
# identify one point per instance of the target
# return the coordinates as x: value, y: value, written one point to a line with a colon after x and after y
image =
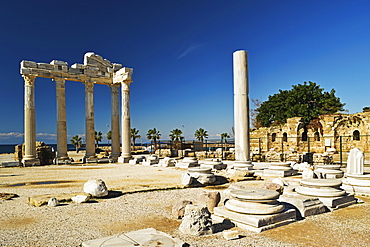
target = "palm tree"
x: 176, y: 135
x: 109, y: 136
x: 201, y: 134
x: 98, y: 137
x: 153, y: 134
x: 134, y: 135
x: 76, y: 141
x: 224, y: 136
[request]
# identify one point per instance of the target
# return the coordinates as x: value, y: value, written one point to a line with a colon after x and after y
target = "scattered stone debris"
x: 96, y: 188
x: 144, y: 237
x: 178, y: 209
x: 53, y: 202
x: 197, y: 220
x: 80, y: 198
x: 210, y: 198
x: 230, y: 234
x: 7, y: 196
x: 39, y: 200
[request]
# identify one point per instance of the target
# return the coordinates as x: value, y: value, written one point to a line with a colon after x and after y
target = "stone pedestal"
x: 328, y: 171
x: 151, y: 160
x: 358, y: 184
x: 187, y: 162
x: 328, y: 191
x: 213, y: 164
x: 281, y: 169
x: 243, y: 165
x: 255, y: 210
x: 202, y: 175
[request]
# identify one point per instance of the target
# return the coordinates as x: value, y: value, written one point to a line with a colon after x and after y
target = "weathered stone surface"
x: 186, y: 179
x: 80, y: 198
x: 178, y: 209
x: 305, y: 205
x: 230, y: 234
x: 355, y: 162
x: 53, y: 202
x: 145, y: 237
x: 96, y: 188
x: 210, y: 198
x: 197, y: 220
x: 275, y: 187
x: 40, y: 200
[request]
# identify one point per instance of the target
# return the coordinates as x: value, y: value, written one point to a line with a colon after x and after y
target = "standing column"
x: 89, y: 121
x: 241, y: 107
x: 115, y: 122
x: 62, y: 157
x: 126, y: 129
x: 29, y: 157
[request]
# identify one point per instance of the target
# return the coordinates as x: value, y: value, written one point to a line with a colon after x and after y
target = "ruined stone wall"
x: 339, y: 131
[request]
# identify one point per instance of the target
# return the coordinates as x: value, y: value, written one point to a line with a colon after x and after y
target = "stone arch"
x: 316, y: 136
x: 273, y: 137
x: 285, y: 137
x: 356, y: 135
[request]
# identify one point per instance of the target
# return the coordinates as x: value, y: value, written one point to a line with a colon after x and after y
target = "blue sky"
x: 181, y: 53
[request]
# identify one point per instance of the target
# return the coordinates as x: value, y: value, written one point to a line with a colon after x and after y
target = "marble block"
x: 144, y: 237
x: 305, y: 205
x: 256, y: 223
x: 328, y: 171
x: 358, y: 184
x: 281, y: 169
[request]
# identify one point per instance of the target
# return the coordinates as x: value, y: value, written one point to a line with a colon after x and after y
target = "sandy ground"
x: 70, y: 224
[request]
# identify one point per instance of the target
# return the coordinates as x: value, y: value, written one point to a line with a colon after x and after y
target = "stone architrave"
x: 62, y: 156
x: 355, y: 162
x: 29, y: 157
x: 241, y: 106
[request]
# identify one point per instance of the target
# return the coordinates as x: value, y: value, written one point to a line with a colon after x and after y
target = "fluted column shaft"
x: 61, y: 118
x: 29, y: 118
x: 115, y: 121
x: 89, y: 119
x: 241, y: 106
x: 126, y: 129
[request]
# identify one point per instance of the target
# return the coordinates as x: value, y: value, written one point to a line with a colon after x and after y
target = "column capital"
x: 126, y: 85
x: 29, y: 79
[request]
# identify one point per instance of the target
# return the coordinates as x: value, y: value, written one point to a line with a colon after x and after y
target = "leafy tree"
x: 366, y: 109
x: 98, y: 137
x: 153, y: 134
x: 134, y: 135
x: 176, y: 135
x: 76, y: 141
x: 201, y: 134
x: 306, y: 100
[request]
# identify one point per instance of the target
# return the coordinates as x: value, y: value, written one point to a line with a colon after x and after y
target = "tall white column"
x: 126, y: 128
x: 89, y: 121
x: 29, y: 157
x: 115, y: 122
x: 62, y: 156
x: 241, y: 106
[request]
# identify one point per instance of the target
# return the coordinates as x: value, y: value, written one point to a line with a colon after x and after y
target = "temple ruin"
x: 94, y: 70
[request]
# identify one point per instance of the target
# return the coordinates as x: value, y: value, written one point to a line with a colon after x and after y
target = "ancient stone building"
x: 339, y: 131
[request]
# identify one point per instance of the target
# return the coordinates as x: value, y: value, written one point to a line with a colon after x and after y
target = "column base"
x: 30, y: 162
x: 123, y: 159
x: 62, y: 161
x: 91, y: 159
x: 113, y: 159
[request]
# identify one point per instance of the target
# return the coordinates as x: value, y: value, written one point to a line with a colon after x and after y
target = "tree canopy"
x: 175, y: 135
x: 201, y: 134
x: 306, y: 100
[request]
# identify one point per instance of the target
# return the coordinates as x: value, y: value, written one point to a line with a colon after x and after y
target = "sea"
x: 9, y: 148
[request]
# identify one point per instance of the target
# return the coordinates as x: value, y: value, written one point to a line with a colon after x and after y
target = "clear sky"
x: 181, y: 53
